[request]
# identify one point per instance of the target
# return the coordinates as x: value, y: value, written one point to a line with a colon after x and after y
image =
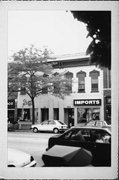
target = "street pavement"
x: 29, y: 142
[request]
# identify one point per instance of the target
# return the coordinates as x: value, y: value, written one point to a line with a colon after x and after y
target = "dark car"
x: 94, y: 139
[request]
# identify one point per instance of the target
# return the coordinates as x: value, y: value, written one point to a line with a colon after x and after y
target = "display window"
x: 87, y: 114
x: 23, y: 114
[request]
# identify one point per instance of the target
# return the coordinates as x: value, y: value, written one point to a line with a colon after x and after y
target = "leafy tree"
x: 30, y: 72
x: 99, y: 29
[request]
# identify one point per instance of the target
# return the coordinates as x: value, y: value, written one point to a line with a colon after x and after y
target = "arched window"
x: 94, y: 80
x: 69, y: 76
x: 81, y: 81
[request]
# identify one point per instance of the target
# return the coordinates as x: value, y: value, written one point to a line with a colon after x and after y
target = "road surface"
x: 33, y: 143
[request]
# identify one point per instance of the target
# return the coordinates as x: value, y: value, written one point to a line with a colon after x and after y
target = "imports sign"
x: 87, y: 102
x: 11, y: 104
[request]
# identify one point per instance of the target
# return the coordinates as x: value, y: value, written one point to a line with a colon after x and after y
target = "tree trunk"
x: 33, y: 111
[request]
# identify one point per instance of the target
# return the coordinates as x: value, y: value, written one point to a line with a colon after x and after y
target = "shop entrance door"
x: 69, y: 116
x: 44, y: 114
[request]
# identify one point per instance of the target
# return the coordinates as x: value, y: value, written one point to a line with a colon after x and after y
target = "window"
x: 96, y: 114
x: 61, y: 122
x: 56, y: 113
x: 100, y: 136
x: 44, y: 123
x: 94, y: 80
x: 87, y: 114
x: 81, y: 81
x: 51, y: 122
x: 68, y: 86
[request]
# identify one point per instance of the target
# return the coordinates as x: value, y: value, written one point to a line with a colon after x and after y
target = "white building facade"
x: 85, y: 101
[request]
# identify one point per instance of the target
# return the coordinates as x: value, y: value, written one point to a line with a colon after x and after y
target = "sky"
x: 56, y: 30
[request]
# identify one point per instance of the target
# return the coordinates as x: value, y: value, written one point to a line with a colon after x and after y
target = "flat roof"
x: 66, y: 57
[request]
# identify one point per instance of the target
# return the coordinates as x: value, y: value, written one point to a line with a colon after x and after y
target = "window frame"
x: 94, y: 76
x: 69, y: 76
x: 81, y: 74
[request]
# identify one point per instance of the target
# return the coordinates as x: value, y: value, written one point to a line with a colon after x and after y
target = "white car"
x: 55, y: 126
x: 97, y: 123
x: 17, y: 158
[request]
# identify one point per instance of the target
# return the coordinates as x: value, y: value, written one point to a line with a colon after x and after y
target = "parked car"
x: 94, y: 139
x: 17, y: 158
x: 98, y: 123
x: 55, y: 126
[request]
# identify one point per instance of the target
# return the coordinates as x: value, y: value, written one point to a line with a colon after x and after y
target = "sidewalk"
x: 21, y: 130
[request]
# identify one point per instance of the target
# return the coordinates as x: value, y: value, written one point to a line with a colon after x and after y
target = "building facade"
x: 86, y: 99
x: 11, y: 110
x: 107, y: 94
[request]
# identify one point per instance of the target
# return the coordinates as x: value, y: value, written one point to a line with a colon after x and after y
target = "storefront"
x: 108, y: 109
x: 11, y: 110
x: 87, y: 109
x: 69, y: 116
x: 24, y: 114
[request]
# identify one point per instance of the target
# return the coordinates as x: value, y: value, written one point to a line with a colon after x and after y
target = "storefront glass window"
x: 87, y: 114
x: 23, y: 114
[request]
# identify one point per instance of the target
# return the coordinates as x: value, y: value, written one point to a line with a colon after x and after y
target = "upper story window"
x: 81, y: 81
x: 69, y: 76
x: 94, y: 80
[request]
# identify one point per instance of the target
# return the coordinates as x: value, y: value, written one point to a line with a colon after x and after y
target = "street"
x: 29, y: 142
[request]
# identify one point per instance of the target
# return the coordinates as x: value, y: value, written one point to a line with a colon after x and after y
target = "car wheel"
x: 55, y: 130
x: 35, y: 130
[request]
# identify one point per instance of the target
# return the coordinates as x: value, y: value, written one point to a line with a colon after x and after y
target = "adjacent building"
x: 107, y: 94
